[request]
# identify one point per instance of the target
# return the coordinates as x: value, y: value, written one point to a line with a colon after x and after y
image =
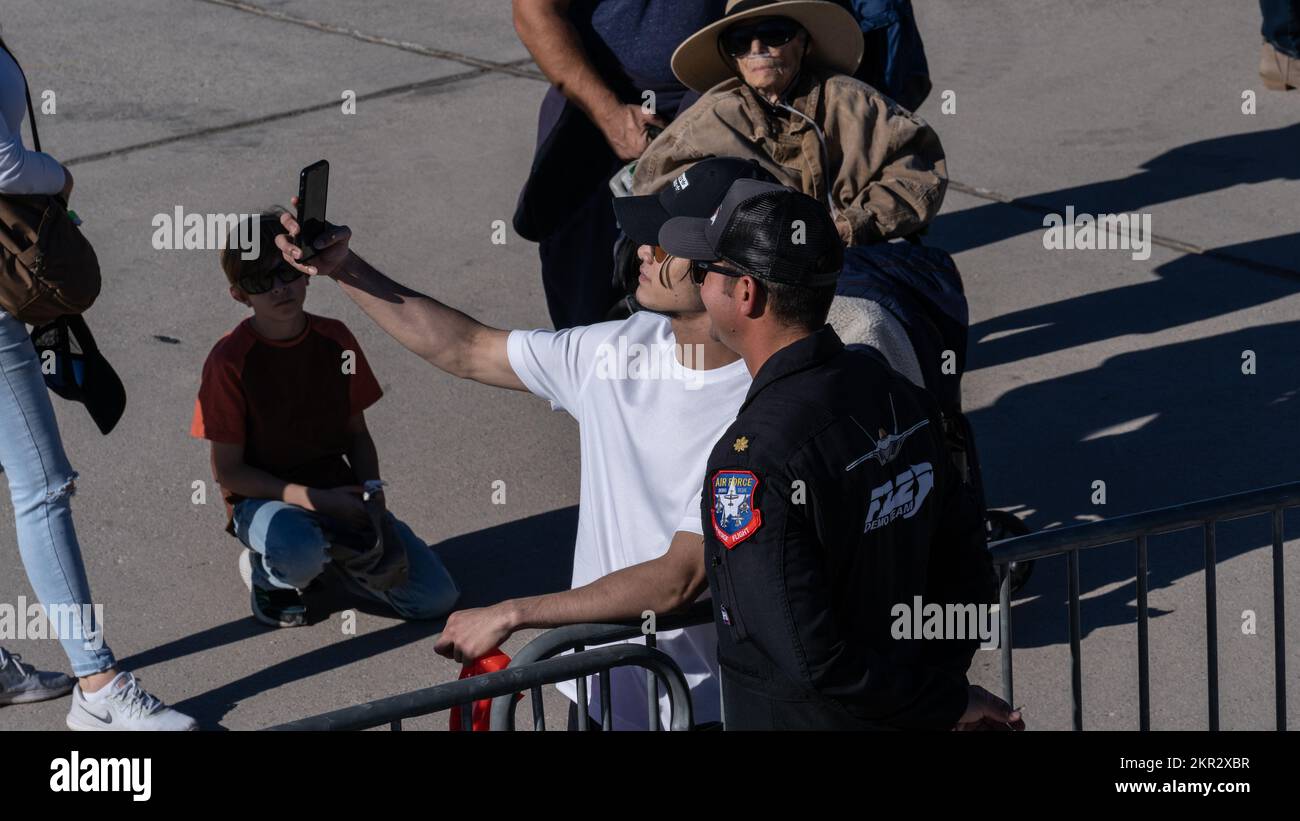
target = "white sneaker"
x: 126, y: 706
x: 246, y: 569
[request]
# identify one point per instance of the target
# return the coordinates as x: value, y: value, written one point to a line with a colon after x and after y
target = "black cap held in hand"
x: 693, y: 193
x: 766, y: 230
x: 81, y: 373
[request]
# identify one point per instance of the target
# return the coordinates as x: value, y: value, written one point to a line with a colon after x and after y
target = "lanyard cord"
x: 821, y: 137
x: 825, y: 155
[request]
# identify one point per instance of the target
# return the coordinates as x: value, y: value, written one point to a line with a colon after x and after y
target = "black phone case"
x: 310, y: 227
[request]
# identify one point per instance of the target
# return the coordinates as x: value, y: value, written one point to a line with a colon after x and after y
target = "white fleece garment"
x: 860, y: 321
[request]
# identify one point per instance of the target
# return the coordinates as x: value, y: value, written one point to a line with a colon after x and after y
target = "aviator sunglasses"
x: 735, y: 41
x: 698, y: 270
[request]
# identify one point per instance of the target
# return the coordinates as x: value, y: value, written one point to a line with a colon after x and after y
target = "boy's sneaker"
x: 22, y: 683
x: 124, y: 705
x: 271, y: 605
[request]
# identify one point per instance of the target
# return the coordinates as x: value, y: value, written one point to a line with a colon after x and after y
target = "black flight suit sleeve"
x: 960, y: 572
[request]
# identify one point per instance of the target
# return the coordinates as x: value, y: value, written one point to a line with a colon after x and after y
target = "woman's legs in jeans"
x: 41, y: 482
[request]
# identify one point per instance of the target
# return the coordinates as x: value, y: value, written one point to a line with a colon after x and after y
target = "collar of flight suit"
x: 809, y: 352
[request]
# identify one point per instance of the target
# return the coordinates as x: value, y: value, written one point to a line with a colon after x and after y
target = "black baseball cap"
x: 695, y: 192
x: 766, y: 230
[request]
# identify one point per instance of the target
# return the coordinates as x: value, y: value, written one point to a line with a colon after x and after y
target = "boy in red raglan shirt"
x: 282, y: 401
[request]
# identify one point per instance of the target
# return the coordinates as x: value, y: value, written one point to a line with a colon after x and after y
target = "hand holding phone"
x: 327, y: 260
x: 313, y: 186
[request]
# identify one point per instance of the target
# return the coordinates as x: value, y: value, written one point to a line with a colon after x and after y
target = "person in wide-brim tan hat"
x: 777, y: 87
x: 700, y: 64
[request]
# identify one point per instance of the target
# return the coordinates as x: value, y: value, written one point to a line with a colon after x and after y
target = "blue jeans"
x: 1282, y: 25
x: 292, y: 545
x: 41, y: 483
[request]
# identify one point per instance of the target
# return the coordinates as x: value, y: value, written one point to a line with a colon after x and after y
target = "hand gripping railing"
x: 1139, y: 527
x: 394, y: 709
x: 579, y: 636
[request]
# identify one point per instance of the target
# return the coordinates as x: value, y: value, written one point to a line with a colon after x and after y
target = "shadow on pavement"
x: 1159, y: 426
x: 1190, y: 289
x: 521, y: 558
x: 1187, y: 171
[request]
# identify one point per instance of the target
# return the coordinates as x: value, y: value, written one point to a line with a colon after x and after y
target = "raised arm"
x: 446, y: 338
x: 662, y: 585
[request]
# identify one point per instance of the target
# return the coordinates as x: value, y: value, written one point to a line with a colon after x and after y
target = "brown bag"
x: 47, y: 267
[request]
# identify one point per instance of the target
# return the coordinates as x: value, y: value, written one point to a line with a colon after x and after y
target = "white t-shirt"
x: 647, y: 424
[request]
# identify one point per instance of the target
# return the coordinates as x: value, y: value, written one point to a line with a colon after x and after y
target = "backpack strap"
x: 31, y: 112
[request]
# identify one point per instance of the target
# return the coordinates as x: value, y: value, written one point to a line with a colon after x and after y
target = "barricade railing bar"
x: 456, y: 694
x: 577, y: 637
x: 1138, y: 528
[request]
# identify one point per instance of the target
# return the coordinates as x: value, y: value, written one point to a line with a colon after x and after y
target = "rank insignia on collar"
x: 741, y: 445
x: 735, y: 518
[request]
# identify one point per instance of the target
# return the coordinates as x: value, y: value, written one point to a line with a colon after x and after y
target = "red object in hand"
x: 481, y: 714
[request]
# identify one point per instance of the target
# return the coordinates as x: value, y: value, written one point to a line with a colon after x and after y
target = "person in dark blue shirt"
x: 612, y: 88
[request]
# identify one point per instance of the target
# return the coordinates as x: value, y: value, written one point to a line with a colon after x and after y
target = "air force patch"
x: 735, y: 518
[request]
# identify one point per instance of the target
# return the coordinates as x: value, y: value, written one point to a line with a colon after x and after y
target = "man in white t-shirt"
x: 651, y: 395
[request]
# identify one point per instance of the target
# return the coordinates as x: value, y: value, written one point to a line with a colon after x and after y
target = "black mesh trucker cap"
x: 693, y: 193
x: 766, y: 230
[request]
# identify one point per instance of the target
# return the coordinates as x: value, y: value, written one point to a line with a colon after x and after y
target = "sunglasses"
x: 261, y: 283
x: 700, y: 270
x: 661, y: 254
x: 736, y: 40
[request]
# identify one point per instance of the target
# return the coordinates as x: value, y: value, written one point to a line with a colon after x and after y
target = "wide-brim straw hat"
x: 836, y: 39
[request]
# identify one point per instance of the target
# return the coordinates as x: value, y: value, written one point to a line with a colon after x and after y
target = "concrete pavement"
x: 1085, y: 366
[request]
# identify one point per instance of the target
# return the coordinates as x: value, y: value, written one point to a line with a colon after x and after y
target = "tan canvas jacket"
x: 889, y: 170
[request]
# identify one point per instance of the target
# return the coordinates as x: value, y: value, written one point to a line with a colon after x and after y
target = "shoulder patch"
x: 735, y: 517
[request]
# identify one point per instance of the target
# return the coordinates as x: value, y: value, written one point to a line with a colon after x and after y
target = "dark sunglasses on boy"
x: 262, y: 283
x: 736, y: 40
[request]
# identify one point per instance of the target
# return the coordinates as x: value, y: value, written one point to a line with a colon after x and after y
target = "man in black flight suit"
x: 830, y: 500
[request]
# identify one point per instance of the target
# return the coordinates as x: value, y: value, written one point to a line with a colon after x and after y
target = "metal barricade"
x: 393, y: 710
x: 577, y: 637
x: 540, y: 662
x: 1138, y: 528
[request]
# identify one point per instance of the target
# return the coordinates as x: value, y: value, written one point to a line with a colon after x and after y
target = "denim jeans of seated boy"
x: 294, y: 546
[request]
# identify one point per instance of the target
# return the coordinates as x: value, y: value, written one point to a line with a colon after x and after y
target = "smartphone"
x: 313, y: 185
